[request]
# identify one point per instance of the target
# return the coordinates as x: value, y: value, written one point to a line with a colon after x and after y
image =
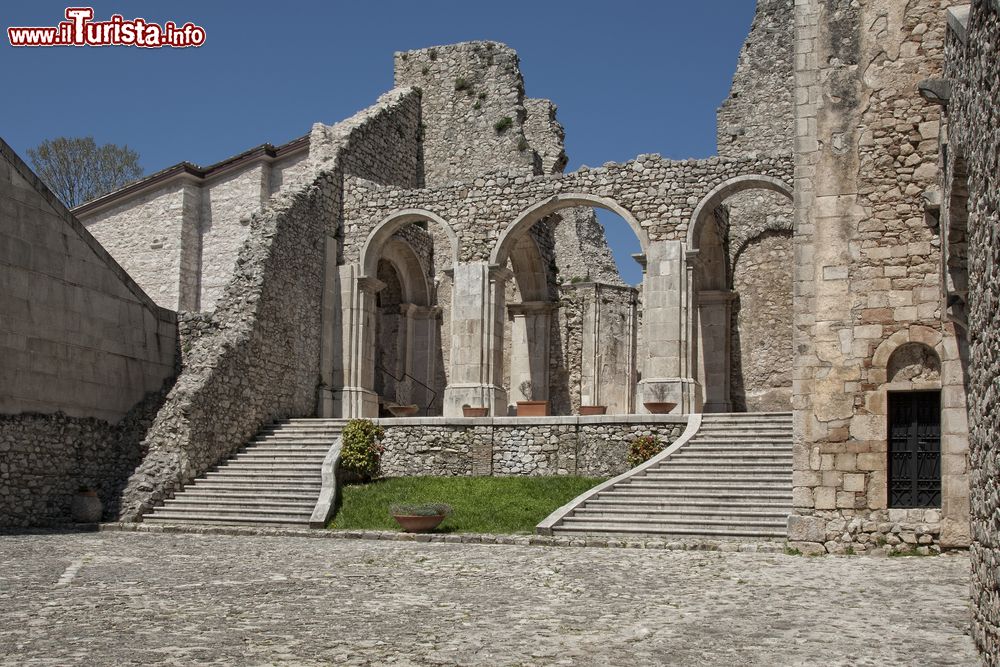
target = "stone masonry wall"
x: 77, y: 335
x: 973, y: 137
x: 256, y: 358
x: 762, y: 318
x: 474, y: 114
x: 866, y: 277
x: 591, y: 447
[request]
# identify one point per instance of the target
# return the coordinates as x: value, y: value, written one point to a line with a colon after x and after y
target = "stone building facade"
x: 970, y: 238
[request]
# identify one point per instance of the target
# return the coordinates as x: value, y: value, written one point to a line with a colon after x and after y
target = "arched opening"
x: 405, y: 285
x: 570, y: 334
x: 740, y: 237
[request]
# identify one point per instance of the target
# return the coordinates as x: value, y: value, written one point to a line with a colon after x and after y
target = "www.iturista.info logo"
x: 79, y: 29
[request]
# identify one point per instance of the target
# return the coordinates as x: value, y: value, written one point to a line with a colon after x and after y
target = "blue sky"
x: 629, y: 77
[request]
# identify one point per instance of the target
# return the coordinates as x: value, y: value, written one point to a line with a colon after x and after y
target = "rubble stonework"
x: 970, y: 220
x: 557, y: 446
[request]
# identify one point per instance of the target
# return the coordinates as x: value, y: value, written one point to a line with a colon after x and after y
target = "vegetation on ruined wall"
x: 480, y: 504
x: 643, y: 448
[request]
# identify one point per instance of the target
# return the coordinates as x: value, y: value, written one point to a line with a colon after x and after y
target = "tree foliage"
x: 77, y: 170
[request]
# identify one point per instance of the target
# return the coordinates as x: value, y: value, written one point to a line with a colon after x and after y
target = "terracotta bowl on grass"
x: 412, y: 523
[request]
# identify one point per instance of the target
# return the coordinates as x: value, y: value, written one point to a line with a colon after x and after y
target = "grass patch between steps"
x: 510, y: 505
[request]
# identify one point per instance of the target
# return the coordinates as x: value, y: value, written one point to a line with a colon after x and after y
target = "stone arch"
x: 913, y: 362
x: 720, y: 193
x: 411, y: 272
x: 391, y: 224
x: 536, y: 212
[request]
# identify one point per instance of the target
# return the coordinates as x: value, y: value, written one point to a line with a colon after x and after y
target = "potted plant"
x: 659, y: 407
x: 403, y: 393
x: 590, y: 410
x: 86, y: 507
x: 531, y: 407
x: 419, y: 517
x: 469, y: 411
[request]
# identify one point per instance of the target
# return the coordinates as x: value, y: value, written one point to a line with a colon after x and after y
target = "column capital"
x: 640, y: 258
x: 370, y: 285
x: 500, y: 273
x: 531, y: 307
x: 416, y: 312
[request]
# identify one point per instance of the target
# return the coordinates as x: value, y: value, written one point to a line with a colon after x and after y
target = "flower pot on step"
x: 657, y: 408
x: 469, y: 411
x: 86, y: 507
x: 590, y: 410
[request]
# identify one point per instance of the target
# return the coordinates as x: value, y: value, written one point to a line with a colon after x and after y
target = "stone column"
x: 418, y: 341
x: 667, y: 373
x: 477, y: 339
x: 356, y: 368
x: 714, y: 348
x: 529, y: 357
x: 608, y: 347
x: 330, y: 374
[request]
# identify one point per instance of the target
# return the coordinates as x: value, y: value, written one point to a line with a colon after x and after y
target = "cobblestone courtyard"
x: 127, y: 598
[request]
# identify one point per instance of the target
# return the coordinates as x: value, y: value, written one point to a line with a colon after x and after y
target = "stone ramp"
x: 275, y: 480
x: 731, y: 479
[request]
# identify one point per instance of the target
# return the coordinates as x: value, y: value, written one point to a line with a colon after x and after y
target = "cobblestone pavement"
x: 134, y: 598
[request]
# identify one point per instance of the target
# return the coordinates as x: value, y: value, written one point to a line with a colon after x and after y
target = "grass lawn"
x: 480, y: 504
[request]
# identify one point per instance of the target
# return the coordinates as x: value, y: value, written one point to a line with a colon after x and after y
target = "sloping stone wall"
x: 973, y: 123
x: 256, y: 358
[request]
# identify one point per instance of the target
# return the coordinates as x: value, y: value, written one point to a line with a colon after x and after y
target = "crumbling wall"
x: 256, y: 358
x: 473, y: 109
x: 972, y: 67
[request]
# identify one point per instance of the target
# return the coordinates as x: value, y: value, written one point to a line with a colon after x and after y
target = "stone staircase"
x: 733, y: 479
x: 274, y: 480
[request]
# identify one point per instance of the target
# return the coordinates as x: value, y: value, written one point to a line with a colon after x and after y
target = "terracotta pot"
x: 659, y: 408
x: 86, y: 507
x: 415, y: 523
x: 474, y: 412
x: 589, y: 410
x: 532, y: 408
x: 403, y: 410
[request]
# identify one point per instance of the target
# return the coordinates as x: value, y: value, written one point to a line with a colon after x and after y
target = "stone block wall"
x: 866, y: 277
x: 85, y: 355
x: 971, y: 217
x: 584, y: 446
x: 255, y: 359
x: 77, y: 335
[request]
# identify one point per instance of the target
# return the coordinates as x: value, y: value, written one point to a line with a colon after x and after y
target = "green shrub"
x: 425, y: 70
x: 643, y: 448
x: 361, y: 450
x: 522, y: 144
x: 503, y: 124
x: 462, y: 84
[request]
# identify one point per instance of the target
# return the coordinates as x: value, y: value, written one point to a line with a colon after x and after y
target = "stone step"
x: 290, y: 457
x: 228, y: 510
x: 313, y: 479
x: 249, y: 493
x: 249, y: 502
x: 730, y: 514
x: 680, y: 470
x: 709, y: 504
x: 699, y: 483
x: 705, y: 493
x: 666, y: 531
x: 711, y: 449
x: 276, y: 521
x: 276, y: 464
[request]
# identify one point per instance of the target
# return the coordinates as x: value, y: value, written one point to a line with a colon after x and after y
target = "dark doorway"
x: 915, y: 449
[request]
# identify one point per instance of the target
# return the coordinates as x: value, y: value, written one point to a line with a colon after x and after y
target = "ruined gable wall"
x: 866, y: 277
x: 973, y: 124
x: 467, y: 89
x: 256, y: 358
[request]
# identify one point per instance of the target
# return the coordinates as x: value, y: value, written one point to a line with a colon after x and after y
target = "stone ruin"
x: 431, y: 250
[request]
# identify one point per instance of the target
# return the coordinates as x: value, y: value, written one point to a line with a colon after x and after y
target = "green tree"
x: 77, y: 170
